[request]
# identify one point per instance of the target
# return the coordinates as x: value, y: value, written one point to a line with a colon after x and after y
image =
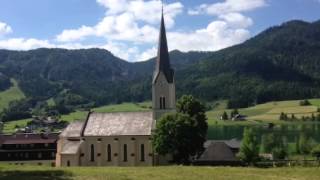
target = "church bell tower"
x: 163, y: 84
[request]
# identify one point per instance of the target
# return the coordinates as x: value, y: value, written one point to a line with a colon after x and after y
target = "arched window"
x: 92, y: 153
x: 142, y: 152
x: 125, y: 153
x: 162, y: 103
x: 109, y: 152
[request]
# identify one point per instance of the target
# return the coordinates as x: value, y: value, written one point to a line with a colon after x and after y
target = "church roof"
x: 163, y: 60
x: 70, y: 147
x: 73, y: 130
x: 118, y: 124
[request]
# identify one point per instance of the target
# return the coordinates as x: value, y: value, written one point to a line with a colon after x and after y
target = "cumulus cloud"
x: 72, y: 35
x: 228, y: 6
x: 229, y: 28
x: 122, y: 21
x: 24, y: 44
x: 4, y: 29
x: 217, y: 35
x: 129, y: 29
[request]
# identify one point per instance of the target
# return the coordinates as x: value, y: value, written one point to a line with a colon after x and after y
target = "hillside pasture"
x: 11, y: 94
x: 268, y: 112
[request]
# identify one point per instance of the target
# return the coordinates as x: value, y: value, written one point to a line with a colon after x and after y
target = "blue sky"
x: 129, y: 28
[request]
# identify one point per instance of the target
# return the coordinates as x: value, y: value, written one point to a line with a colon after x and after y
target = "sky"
x: 130, y: 28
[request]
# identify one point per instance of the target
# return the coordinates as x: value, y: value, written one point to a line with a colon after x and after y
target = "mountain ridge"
x: 280, y: 59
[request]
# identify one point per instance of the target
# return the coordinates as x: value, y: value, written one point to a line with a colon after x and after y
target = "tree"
x: 305, y: 103
x: 277, y: 145
x: 316, y: 152
x: 191, y: 106
x: 305, y: 144
x: 268, y: 143
x: 249, y: 149
x: 234, y: 112
x: 318, y: 117
x: 175, y: 135
x: 225, y: 116
x: 283, y: 116
x: 182, y: 134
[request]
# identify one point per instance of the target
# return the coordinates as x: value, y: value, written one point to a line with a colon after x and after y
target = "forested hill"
x: 282, y: 62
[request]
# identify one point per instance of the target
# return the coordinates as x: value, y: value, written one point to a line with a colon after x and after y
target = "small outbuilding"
x: 219, y: 152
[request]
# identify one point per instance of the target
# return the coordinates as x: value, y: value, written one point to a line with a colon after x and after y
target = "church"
x: 124, y: 138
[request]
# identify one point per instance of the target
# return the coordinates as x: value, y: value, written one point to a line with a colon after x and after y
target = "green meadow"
x: 12, y: 172
x: 11, y: 94
x: 261, y: 114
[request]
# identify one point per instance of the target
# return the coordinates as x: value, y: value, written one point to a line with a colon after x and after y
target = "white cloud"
x: 229, y: 28
x: 4, y: 29
x: 216, y: 36
x: 227, y: 6
x: 148, y: 54
x: 72, y: 35
x: 24, y: 44
x: 123, y: 21
x: 114, y: 6
x: 130, y: 30
x: 236, y: 20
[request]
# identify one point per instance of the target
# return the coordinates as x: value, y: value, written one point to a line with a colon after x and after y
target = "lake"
x: 290, y: 131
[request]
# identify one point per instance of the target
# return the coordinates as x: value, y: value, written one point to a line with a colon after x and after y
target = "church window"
x: 92, y: 153
x: 162, y: 103
x: 142, y: 152
x: 109, y: 152
x: 125, y: 153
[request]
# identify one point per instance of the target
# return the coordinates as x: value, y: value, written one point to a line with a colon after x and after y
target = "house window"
x: 39, y: 155
x: 68, y: 163
x: 92, y: 153
x: 142, y: 152
x: 125, y: 153
x: 109, y: 152
x: 162, y: 103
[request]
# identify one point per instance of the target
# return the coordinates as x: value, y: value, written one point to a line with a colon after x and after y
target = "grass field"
x: 257, y: 115
x: 267, y: 112
x: 13, y: 93
x: 11, y: 172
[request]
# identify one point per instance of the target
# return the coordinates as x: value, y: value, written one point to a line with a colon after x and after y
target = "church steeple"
x: 163, y: 84
x: 163, y: 60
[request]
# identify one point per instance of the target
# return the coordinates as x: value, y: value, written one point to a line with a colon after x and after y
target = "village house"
x: 28, y: 147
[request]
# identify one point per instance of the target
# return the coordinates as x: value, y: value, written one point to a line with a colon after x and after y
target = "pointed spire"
x: 163, y: 60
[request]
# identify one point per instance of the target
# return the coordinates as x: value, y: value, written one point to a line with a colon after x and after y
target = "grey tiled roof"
x: 233, y: 143
x: 70, y: 147
x: 217, y: 151
x: 116, y: 124
x: 73, y: 129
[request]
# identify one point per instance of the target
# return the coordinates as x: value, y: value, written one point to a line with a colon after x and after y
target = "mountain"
x: 282, y: 62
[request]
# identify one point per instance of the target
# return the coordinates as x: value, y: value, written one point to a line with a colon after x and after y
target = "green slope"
x: 13, y: 93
